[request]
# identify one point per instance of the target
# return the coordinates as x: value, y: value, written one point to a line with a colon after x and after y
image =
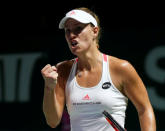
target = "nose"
x: 71, y: 35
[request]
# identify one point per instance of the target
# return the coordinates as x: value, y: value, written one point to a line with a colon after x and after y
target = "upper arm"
x: 134, y: 87
x: 137, y: 93
x: 130, y: 84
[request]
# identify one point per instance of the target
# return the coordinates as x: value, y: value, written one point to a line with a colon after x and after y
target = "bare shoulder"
x: 120, y: 64
x: 124, y: 70
x: 64, y: 65
x: 63, y: 70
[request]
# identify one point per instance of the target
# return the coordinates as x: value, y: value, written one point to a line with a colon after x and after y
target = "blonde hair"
x: 97, y: 19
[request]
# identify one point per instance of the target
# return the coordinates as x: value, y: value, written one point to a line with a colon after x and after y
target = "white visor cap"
x: 79, y: 15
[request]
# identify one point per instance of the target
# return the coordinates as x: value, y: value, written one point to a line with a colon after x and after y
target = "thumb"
x: 54, y: 68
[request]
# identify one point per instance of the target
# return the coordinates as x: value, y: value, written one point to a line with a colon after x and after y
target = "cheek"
x: 86, y: 37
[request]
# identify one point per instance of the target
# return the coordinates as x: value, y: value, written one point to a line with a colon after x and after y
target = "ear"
x: 96, y: 31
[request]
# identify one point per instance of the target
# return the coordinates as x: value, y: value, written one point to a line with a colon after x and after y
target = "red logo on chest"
x: 86, y: 97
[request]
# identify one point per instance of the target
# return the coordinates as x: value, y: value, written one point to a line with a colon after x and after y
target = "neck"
x: 89, y: 60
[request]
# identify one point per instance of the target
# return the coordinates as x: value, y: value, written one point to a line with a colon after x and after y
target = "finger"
x: 46, y: 67
x: 53, y: 75
x: 47, y: 71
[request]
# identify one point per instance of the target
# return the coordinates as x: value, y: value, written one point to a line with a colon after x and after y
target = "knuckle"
x: 48, y: 65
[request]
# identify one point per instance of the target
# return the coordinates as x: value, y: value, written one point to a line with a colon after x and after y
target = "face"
x: 79, y: 36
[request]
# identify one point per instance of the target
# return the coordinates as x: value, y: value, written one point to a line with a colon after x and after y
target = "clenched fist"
x: 50, y: 75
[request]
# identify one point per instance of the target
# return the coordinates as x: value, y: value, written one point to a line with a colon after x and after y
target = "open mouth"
x: 74, y: 44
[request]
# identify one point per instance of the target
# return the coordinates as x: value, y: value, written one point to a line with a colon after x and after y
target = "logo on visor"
x: 106, y: 85
x: 72, y: 13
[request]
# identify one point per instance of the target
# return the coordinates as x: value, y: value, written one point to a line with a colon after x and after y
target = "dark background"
x: 130, y: 31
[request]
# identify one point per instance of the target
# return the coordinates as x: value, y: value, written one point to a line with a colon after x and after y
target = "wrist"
x: 49, y: 88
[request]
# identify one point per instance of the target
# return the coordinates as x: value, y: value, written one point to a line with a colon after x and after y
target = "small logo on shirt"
x: 86, y: 97
x: 106, y: 85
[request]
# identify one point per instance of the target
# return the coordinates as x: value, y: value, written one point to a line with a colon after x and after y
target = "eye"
x: 78, y: 29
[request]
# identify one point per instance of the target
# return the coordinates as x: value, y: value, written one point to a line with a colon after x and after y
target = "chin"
x: 76, y: 52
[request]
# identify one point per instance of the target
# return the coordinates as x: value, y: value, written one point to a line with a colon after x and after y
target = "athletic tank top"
x: 85, y: 105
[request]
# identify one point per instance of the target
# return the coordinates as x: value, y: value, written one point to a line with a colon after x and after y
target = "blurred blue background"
x: 30, y: 39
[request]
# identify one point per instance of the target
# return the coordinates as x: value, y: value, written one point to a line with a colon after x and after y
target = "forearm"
x: 147, y: 120
x: 50, y: 107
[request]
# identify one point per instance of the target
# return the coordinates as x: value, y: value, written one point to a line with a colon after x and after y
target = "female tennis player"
x: 93, y: 81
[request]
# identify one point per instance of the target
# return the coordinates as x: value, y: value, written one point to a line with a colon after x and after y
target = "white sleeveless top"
x: 85, y: 105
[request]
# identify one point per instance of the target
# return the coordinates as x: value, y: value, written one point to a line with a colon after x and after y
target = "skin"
x: 89, y: 70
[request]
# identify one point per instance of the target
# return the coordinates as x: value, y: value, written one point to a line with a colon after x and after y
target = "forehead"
x: 72, y: 22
